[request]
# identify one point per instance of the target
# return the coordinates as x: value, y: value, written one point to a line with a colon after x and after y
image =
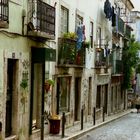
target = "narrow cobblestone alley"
x: 125, y: 128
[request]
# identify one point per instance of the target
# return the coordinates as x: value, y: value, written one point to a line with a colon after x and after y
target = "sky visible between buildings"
x: 136, y: 4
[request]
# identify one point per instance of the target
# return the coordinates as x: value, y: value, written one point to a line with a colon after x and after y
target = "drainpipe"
x: 42, y: 106
x: 23, y: 19
x: 0, y: 126
x: 57, y: 98
x: 0, y: 129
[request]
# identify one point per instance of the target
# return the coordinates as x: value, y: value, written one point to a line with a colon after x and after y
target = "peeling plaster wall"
x: 15, y: 48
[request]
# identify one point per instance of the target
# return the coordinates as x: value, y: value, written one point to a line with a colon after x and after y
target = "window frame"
x: 80, y: 18
x: 98, y: 97
x: 91, y: 33
x: 68, y: 89
x: 67, y: 20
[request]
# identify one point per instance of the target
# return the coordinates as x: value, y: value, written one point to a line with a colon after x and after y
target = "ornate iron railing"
x: 121, y: 26
x: 42, y: 16
x: 117, y: 67
x: 128, y: 31
x: 100, y: 59
x: 68, y: 52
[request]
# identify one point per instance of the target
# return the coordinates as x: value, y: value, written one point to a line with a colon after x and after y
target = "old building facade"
x: 121, y: 34
x: 74, y: 44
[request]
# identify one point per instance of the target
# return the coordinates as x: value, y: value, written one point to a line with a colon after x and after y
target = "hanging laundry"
x: 106, y: 52
x: 84, y: 37
x: 108, y: 9
x: 89, y: 58
x: 80, y: 36
x: 117, y: 20
x: 113, y: 17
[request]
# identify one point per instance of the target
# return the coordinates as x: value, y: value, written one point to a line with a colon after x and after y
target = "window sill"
x: 36, y: 131
x: 66, y: 113
x: 98, y: 109
x: 12, y: 137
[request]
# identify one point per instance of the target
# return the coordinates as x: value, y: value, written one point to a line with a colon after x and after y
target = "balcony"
x: 120, y: 26
x: 101, y: 60
x: 117, y: 67
x: 68, y: 54
x: 128, y: 32
x: 102, y: 63
x: 4, y: 13
x: 41, y: 23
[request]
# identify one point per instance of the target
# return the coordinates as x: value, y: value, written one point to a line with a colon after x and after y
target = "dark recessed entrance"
x: 11, y: 68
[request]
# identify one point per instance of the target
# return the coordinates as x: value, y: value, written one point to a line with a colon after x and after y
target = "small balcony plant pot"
x: 48, y: 85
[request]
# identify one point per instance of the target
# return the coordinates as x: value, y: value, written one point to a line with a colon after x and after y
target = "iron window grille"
x: 4, y: 10
x: 42, y: 17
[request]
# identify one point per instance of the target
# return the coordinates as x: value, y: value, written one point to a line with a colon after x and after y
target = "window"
x: 119, y: 11
x: 79, y: 21
x: 99, y: 37
x: 64, y: 93
x: 89, y: 95
x: 64, y: 20
x: 36, y: 110
x: 112, y: 93
x: 118, y: 53
x: 4, y: 10
x: 99, y: 54
x: 116, y: 97
x: 91, y: 34
x: 98, y: 97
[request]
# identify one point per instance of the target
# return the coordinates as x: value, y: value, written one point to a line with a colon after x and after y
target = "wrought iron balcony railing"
x: 4, y: 13
x: 41, y: 19
x: 128, y: 31
x: 121, y: 26
x: 117, y: 67
x: 101, y: 60
x: 69, y: 54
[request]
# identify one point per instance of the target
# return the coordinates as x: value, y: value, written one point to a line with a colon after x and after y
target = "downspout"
x: 31, y: 97
x: 23, y: 20
x: 42, y: 105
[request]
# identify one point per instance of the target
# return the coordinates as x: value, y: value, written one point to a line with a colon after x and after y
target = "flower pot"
x: 47, y: 87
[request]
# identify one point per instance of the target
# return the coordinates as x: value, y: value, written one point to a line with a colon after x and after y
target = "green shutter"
x: 43, y: 54
x: 50, y: 54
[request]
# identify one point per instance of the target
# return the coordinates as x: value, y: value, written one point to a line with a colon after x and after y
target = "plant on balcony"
x: 70, y: 35
x: 67, y: 48
x: 98, y: 49
x: 69, y: 53
x: 86, y: 44
x: 48, y: 85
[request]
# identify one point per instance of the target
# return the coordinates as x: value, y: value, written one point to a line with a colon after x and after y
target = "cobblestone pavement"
x: 125, y: 128
x: 74, y: 131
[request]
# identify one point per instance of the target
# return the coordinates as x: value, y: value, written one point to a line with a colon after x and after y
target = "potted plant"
x: 87, y: 44
x: 48, y: 84
x: 24, y: 85
x: 98, y: 49
x: 70, y: 35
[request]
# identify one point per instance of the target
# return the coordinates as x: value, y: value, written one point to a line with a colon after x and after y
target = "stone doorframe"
x: 16, y: 87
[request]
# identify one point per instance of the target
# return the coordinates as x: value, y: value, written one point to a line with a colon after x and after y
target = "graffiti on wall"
x: 24, y: 83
